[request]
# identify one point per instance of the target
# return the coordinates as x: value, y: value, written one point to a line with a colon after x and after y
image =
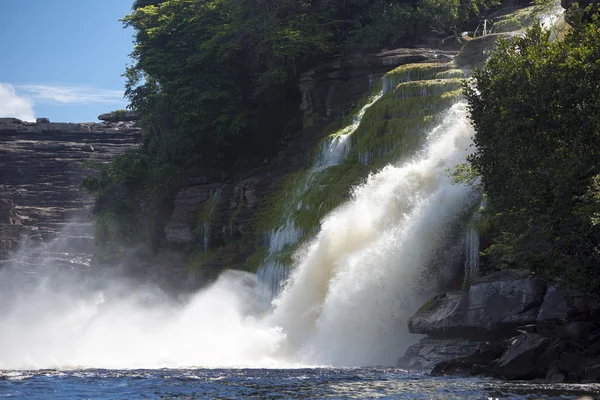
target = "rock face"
x: 40, y: 176
x: 331, y: 88
x: 492, y: 305
x: 214, y: 213
x: 509, y: 325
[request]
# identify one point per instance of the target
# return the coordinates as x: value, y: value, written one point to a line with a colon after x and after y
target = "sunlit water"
x: 328, y: 383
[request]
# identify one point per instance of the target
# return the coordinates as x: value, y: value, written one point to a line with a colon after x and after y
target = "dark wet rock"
x: 493, y: 306
x: 558, y: 338
x: 592, y: 373
x: 572, y: 362
x: 554, y: 375
x: 519, y: 361
x: 471, y: 364
x: 531, y: 328
x: 42, y: 121
x: 429, y: 352
x: 554, y: 306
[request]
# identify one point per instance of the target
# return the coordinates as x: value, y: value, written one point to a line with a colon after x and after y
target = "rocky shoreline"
x: 509, y: 325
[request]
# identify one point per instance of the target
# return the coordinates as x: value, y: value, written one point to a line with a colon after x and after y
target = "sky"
x: 63, y: 59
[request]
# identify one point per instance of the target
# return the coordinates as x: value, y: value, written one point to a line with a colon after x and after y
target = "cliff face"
x: 218, y: 215
x: 40, y: 176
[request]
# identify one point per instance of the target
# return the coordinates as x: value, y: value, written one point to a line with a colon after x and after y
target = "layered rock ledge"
x: 40, y: 176
x: 511, y: 325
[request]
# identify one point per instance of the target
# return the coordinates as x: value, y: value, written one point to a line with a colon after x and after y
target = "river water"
x: 322, y: 383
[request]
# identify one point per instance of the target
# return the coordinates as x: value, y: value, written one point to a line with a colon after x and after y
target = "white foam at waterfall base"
x: 353, y: 288
x: 359, y: 281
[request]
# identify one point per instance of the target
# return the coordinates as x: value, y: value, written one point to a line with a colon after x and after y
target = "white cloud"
x: 14, y: 105
x: 62, y: 94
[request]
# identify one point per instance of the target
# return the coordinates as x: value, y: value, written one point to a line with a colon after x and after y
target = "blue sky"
x: 63, y: 59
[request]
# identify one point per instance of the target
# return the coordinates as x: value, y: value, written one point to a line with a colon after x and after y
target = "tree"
x: 535, y: 107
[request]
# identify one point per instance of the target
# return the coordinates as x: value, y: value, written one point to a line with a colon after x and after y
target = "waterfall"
x: 206, y: 216
x: 337, y: 146
x: 332, y: 152
x: 471, y: 250
x: 357, y: 283
x: 351, y: 292
x: 393, y: 123
x: 274, y: 272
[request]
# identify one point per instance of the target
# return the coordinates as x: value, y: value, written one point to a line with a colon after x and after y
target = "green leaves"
x: 535, y: 107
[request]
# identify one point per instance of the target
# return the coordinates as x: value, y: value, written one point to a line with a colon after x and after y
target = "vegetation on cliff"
x: 215, y: 82
x: 536, y: 110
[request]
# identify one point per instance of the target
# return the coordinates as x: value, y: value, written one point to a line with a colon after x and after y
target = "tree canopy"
x: 535, y: 107
x: 216, y: 82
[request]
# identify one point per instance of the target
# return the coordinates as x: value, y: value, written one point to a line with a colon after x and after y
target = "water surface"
x: 323, y: 383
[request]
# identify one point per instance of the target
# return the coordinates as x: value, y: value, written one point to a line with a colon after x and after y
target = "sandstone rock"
x: 494, y: 305
x: 41, y: 174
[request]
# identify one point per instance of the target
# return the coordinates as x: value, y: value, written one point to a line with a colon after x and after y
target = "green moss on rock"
x: 412, y: 72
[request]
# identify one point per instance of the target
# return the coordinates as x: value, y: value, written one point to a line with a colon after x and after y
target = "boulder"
x: 572, y: 362
x: 592, y: 373
x: 554, y: 375
x: 493, y: 307
x: 428, y: 353
x: 42, y: 121
x: 471, y: 364
x: 520, y: 360
x: 554, y: 306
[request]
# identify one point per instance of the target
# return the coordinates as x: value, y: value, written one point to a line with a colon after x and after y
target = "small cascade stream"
x: 332, y: 152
